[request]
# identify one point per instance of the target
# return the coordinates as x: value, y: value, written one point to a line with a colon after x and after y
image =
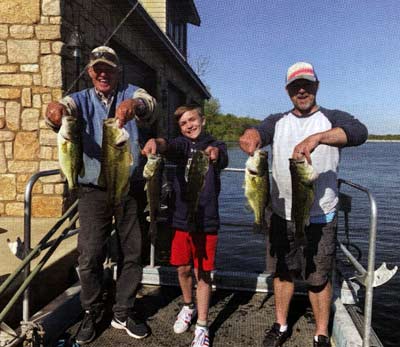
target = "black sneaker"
x: 323, y: 341
x: 275, y: 338
x: 132, y: 325
x: 87, y: 329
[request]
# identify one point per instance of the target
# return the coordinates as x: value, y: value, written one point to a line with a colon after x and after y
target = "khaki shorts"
x: 313, y: 262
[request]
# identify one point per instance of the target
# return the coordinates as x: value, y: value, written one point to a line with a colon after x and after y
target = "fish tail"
x: 257, y: 228
x: 192, y: 223
x: 260, y: 228
x: 299, y: 238
x: 153, y: 232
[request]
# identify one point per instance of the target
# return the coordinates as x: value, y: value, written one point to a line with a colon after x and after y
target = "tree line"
x: 228, y: 127
x: 225, y: 127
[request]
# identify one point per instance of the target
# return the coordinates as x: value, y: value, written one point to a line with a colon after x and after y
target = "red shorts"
x: 199, y: 247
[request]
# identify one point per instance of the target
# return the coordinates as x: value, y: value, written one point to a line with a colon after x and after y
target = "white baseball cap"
x: 301, y: 70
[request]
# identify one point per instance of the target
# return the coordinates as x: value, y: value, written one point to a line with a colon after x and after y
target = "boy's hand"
x: 150, y: 147
x: 153, y: 146
x: 213, y: 153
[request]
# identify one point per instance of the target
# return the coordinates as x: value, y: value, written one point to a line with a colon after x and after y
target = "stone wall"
x: 36, y: 67
x: 30, y: 77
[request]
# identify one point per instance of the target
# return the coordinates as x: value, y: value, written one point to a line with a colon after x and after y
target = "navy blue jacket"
x: 179, y: 150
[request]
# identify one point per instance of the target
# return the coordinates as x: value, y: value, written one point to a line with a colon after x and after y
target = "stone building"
x: 40, y: 61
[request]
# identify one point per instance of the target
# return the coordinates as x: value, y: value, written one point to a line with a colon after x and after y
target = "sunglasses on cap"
x: 105, y: 55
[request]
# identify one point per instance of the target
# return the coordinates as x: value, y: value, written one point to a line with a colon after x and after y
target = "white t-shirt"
x: 284, y: 131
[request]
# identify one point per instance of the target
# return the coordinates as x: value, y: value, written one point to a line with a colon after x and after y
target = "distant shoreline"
x: 383, y: 140
x: 236, y: 144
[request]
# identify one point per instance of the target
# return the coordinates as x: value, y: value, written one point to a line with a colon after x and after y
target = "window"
x: 177, y: 29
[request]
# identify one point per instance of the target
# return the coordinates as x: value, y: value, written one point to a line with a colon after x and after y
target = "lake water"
x: 374, y: 165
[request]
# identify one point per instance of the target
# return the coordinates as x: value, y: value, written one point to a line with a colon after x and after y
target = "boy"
x: 198, y: 247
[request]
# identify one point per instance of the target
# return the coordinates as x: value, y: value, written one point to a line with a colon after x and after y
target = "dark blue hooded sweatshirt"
x: 179, y: 151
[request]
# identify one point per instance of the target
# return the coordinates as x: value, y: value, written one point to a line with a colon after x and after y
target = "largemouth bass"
x: 303, y: 176
x: 70, y: 150
x: 152, y: 172
x: 256, y: 187
x: 195, y: 175
x: 116, y: 160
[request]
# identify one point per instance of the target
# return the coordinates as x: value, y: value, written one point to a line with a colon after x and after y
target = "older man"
x: 134, y: 108
x: 317, y: 134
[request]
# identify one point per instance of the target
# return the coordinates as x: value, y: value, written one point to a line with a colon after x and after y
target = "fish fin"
x: 191, y: 222
x: 257, y: 228
x: 147, y: 209
x: 148, y: 219
x: 248, y: 207
x: 153, y: 232
x: 260, y: 228
x: 101, y: 181
x: 314, y: 176
x: 187, y: 169
x: 122, y: 138
x: 82, y: 171
x: 299, y: 240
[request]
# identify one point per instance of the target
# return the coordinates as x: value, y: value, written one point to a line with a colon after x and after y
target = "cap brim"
x: 102, y: 60
x: 302, y: 77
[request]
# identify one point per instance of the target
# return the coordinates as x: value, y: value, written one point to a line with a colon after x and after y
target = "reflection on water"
x: 373, y: 165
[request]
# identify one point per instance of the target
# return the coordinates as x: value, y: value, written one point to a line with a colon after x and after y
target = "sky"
x: 354, y: 46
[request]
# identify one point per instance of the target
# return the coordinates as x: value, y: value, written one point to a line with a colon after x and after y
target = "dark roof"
x: 169, y: 46
x: 192, y: 16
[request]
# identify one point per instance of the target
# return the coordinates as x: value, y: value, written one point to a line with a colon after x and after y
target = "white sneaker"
x: 201, y: 338
x: 184, y: 319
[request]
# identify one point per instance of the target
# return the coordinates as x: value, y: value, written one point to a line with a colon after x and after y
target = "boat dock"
x: 242, y: 305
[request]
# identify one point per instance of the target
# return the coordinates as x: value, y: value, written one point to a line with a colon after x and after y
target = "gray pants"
x: 314, y: 262
x: 96, y: 217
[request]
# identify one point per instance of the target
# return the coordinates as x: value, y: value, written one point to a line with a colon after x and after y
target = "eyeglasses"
x: 106, y: 55
x: 302, y: 84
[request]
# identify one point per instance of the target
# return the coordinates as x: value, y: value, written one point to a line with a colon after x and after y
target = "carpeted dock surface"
x: 237, y: 319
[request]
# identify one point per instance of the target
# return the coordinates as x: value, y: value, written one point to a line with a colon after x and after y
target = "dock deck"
x: 236, y: 319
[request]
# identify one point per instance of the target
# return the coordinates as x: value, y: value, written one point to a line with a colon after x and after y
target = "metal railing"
x: 30, y: 254
x: 366, y: 276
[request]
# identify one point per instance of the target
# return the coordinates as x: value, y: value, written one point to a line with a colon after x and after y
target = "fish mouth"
x: 300, y: 160
x: 252, y: 171
x: 120, y: 144
x: 65, y: 134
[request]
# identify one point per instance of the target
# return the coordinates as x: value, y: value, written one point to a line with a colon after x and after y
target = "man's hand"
x: 212, y: 153
x: 306, y: 147
x: 55, y: 112
x: 126, y: 111
x: 250, y: 141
